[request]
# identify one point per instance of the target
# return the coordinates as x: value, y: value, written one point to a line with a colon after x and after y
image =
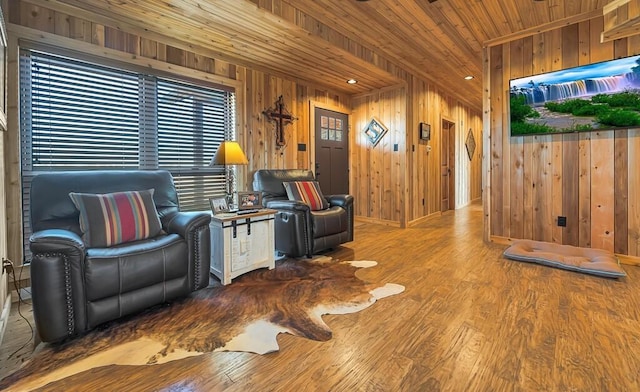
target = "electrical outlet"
x: 562, y: 221
x: 7, y: 266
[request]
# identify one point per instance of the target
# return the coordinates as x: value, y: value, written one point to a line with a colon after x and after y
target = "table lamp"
x: 229, y: 153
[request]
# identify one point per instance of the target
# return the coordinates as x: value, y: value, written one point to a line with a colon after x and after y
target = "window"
x: 77, y: 115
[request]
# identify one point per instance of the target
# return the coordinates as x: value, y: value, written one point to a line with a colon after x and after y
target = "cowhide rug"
x: 246, y: 315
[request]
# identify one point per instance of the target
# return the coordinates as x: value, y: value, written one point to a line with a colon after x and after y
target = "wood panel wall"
x: 591, y: 178
x: 425, y: 102
x: 378, y: 172
x: 262, y: 92
x: 398, y: 181
x: 257, y: 91
x: 431, y: 105
x: 389, y: 185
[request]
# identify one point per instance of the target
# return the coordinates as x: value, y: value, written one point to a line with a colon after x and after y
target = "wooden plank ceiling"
x: 330, y: 41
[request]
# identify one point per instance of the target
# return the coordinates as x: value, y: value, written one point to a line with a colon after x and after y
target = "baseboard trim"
x: 366, y: 219
x: 4, y: 316
x: 628, y: 260
x: 425, y: 218
x: 502, y: 240
x: 624, y: 259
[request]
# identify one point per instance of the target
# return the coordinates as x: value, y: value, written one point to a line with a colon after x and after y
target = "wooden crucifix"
x: 280, y: 117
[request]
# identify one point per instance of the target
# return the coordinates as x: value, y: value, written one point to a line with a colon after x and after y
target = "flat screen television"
x: 601, y: 96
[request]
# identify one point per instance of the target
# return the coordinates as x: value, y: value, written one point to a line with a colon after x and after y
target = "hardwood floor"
x: 469, y: 320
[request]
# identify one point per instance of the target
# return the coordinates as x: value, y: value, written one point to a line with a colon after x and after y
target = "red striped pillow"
x: 115, y: 218
x: 307, y: 192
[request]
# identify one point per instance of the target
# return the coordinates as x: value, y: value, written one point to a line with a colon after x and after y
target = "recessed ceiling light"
x: 352, y: 81
x: 468, y: 77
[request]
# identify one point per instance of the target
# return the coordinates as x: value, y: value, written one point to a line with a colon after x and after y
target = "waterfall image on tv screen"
x: 596, y: 96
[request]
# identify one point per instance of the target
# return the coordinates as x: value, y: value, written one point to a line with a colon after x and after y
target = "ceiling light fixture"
x: 352, y: 81
x: 468, y: 77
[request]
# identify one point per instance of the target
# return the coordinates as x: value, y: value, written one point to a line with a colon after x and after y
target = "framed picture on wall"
x: 425, y: 131
x: 375, y: 130
x: 470, y: 143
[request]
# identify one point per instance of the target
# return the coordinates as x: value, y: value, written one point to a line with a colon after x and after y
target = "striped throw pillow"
x: 115, y: 218
x: 307, y: 192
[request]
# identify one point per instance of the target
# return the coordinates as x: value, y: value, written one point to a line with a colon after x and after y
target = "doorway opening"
x: 447, y: 165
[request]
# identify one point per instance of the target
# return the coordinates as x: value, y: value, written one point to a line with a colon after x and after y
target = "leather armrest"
x: 340, y: 200
x: 184, y: 222
x: 288, y: 205
x: 194, y: 228
x: 57, y: 283
x: 56, y: 240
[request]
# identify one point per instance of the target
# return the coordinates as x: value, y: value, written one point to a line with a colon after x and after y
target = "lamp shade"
x: 229, y: 153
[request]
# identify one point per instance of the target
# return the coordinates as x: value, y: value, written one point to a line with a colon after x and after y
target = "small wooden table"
x: 241, y: 243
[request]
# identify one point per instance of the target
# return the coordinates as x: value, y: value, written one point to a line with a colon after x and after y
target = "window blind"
x: 77, y: 115
x: 82, y: 116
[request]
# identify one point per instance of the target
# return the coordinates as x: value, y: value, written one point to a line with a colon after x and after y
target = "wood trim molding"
x: 4, y: 43
x: 628, y: 260
x: 621, y: 19
x: 486, y: 144
x: 496, y: 239
x: 424, y: 219
x: 39, y: 38
x: 404, y: 84
x: 377, y: 221
x: 20, y: 35
x: 614, y: 5
x: 220, y: 48
x: 632, y: 28
x: 5, y: 310
x: 544, y: 27
x: 12, y: 183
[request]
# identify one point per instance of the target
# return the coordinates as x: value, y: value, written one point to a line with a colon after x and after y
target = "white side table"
x: 241, y: 243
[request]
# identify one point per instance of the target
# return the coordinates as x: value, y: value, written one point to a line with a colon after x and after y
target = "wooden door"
x: 447, y: 173
x: 332, y: 151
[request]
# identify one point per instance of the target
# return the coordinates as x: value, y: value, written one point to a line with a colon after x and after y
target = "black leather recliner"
x: 298, y: 230
x: 75, y: 288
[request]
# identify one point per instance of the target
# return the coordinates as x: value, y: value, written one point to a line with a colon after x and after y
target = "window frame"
x: 201, y: 79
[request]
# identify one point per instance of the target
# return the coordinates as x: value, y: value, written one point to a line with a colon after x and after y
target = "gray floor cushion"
x: 590, y: 261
